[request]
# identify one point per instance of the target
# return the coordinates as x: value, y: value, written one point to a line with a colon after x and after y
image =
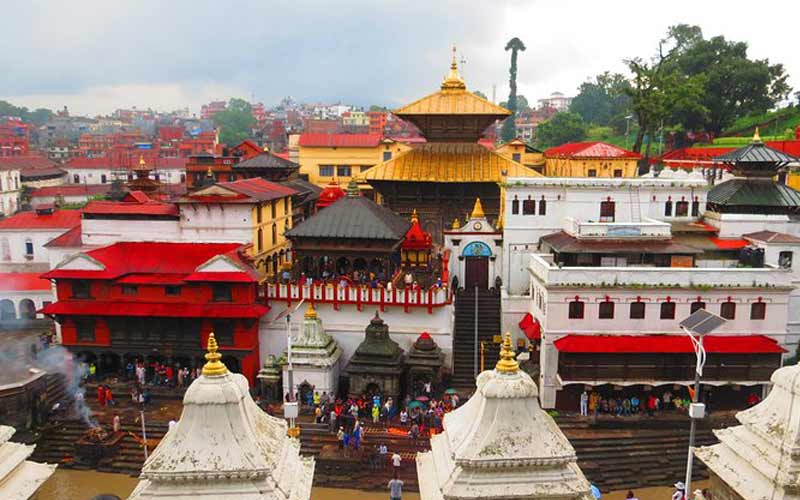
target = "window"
x: 617, y: 172
x: 693, y: 308
x: 274, y: 234
x: 172, y: 290
x: 84, y: 329
x: 727, y: 310
x: 606, y: 310
x: 529, y: 207
x: 517, y: 157
x: 259, y: 240
x: 76, y: 179
x: 637, y: 310
x: 258, y: 214
x: 344, y: 171
x: 158, y: 177
x: 387, y: 155
x: 130, y: 290
x: 29, y: 248
x: 668, y: 310
x: 668, y: 208
x: 273, y: 209
x: 183, y: 178
x: 326, y: 170
x: 576, y: 309
x: 515, y: 206
x: 221, y: 293
x: 695, y: 208
x: 80, y: 289
x: 542, y: 206
x: 286, y: 206
x: 682, y: 209
x: 223, y: 332
x: 758, y: 310
x: 592, y: 172
x: 104, y: 179
x: 785, y: 259
x: 607, y: 211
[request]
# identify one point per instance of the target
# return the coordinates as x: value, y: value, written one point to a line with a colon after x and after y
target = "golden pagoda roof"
x: 448, y: 162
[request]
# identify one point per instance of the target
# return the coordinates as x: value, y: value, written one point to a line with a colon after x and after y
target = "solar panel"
x: 702, y: 322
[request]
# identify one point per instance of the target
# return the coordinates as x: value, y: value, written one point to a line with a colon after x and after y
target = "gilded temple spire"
x: 477, y: 210
x: 311, y: 313
x: 756, y: 136
x: 507, y: 362
x: 213, y: 366
x: 453, y: 81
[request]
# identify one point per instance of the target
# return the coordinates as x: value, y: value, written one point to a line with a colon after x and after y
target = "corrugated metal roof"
x: 753, y: 192
x: 353, y: 217
x: 565, y: 243
x: 756, y: 152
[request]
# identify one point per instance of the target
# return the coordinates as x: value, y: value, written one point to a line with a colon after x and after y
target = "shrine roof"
x: 563, y: 242
x: 753, y: 192
x: 266, y: 160
x: 70, y: 239
x: 448, y: 162
x: 452, y: 102
x: 592, y: 149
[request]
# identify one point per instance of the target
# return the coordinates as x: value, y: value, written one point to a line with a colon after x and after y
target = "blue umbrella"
x: 596, y: 491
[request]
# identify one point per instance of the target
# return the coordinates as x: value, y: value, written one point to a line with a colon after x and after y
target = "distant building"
x: 207, y: 111
x: 557, y: 101
x: 14, y: 138
x: 590, y: 159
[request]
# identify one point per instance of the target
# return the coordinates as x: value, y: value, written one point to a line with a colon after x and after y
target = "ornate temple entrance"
x: 477, y: 273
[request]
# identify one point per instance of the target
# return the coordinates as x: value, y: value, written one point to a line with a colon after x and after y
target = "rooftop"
x: 593, y: 149
x: 252, y: 190
x: 267, y: 160
x: 322, y: 140
x: 772, y: 237
x: 18, y: 282
x: 59, y: 219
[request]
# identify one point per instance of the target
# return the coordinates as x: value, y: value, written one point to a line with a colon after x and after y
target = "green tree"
x: 37, y: 117
x: 480, y: 94
x: 604, y: 101
x: 522, y: 104
x: 236, y: 122
x: 734, y: 85
x: 509, y: 129
x: 562, y: 128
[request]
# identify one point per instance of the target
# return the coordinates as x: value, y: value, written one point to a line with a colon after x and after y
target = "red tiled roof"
x: 26, y: 162
x: 340, y: 140
x: 71, y: 239
x: 137, y: 196
x: 102, y: 207
x: 772, y: 237
x: 259, y: 189
x: 17, y: 282
x: 593, y: 149
x: 625, y: 344
x: 60, y: 219
x: 146, y: 309
x: 71, y: 190
x: 416, y: 238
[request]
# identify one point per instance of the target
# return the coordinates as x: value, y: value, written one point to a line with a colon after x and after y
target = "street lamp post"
x: 475, y: 340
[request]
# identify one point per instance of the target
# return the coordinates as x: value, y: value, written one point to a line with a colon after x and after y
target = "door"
x: 477, y: 272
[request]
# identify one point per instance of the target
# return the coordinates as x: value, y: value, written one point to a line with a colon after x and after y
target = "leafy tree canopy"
x: 38, y: 117
x: 604, y: 101
x: 562, y: 128
x: 480, y: 94
x: 236, y: 122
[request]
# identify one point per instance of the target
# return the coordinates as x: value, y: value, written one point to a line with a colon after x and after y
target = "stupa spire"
x: 477, y: 210
x: 453, y: 81
x: 311, y: 313
x: 507, y: 362
x: 756, y: 136
x: 213, y: 366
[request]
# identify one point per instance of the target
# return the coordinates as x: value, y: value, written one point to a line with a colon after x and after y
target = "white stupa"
x: 19, y: 478
x: 760, y: 459
x: 501, y: 445
x: 315, y: 356
x: 224, y: 446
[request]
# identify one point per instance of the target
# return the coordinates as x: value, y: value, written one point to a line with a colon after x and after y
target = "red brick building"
x: 157, y: 302
x: 14, y: 138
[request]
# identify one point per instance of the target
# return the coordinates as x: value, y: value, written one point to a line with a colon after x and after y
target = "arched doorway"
x: 27, y: 309
x: 476, y: 265
x: 7, y: 310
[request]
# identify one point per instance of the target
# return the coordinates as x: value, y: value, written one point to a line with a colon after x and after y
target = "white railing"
x: 648, y: 228
x: 359, y: 295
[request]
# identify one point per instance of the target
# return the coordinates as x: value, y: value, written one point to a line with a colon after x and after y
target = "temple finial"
x: 453, y: 81
x: 352, y: 189
x: 477, y: 210
x: 142, y: 163
x: 507, y: 362
x: 213, y: 366
x: 414, y: 216
x: 456, y: 224
x: 311, y: 313
x: 756, y: 136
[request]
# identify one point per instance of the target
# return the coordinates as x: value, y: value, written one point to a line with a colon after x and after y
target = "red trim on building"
x: 667, y: 344
x: 159, y: 310
x: 729, y: 244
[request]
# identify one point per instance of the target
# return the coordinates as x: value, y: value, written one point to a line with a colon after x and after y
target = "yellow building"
x: 255, y: 210
x: 324, y: 157
x: 355, y: 119
x: 590, y: 159
x: 521, y: 152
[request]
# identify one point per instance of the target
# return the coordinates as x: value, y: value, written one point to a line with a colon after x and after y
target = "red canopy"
x: 531, y: 327
x: 330, y: 194
x: 660, y: 344
x: 416, y: 238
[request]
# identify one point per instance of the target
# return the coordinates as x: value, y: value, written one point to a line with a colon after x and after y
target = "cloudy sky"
x: 98, y: 55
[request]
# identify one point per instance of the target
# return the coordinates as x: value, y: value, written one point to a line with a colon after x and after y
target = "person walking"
x: 397, y: 461
x: 101, y: 395
x: 356, y: 435
x: 340, y: 437
x: 395, y: 488
x: 403, y: 417
x: 332, y: 420
x: 382, y: 459
x: 109, y: 397
x: 376, y: 414
x: 584, y: 404
x: 116, y: 425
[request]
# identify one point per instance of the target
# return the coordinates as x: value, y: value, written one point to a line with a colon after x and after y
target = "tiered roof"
x: 242, y: 191
x: 416, y: 238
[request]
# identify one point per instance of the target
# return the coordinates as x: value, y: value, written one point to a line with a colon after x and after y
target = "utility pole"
x: 144, y: 431
x: 475, y: 345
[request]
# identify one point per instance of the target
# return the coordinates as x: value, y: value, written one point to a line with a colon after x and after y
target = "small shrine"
x: 269, y: 379
x: 377, y: 365
x: 330, y: 194
x: 19, y: 478
x: 501, y: 445
x: 142, y: 182
x: 760, y: 458
x: 225, y: 446
x: 315, y: 357
x: 477, y: 244
x: 415, y: 251
x: 424, y: 362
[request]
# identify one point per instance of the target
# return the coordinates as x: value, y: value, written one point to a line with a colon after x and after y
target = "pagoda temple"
x: 415, y: 250
x: 225, y: 446
x: 760, y: 458
x: 424, y: 362
x: 501, y: 445
x: 315, y: 357
x: 377, y: 365
x: 142, y: 182
x: 754, y: 189
x: 441, y: 177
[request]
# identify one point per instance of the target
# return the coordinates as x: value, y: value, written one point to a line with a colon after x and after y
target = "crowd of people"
x: 595, y: 404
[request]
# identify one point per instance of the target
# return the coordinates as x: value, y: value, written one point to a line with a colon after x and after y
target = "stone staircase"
x: 489, y: 324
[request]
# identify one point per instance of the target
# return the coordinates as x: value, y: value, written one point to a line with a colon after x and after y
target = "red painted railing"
x: 359, y: 296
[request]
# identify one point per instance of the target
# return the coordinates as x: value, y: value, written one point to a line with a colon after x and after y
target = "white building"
x: 19, y: 478
x: 476, y: 250
x: 501, y: 445
x: 9, y: 189
x: 315, y: 357
x: 22, y: 294
x: 24, y: 235
x: 556, y: 100
x: 104, y: 170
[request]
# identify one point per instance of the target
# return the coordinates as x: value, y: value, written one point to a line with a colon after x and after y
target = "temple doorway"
x: 476, y: 273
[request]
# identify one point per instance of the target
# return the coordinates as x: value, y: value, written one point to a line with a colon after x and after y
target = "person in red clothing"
x: 101, y: 395
x: 752, y: 400
x: 109, y: 397
x: 651, y: 405
x: 170, y: 372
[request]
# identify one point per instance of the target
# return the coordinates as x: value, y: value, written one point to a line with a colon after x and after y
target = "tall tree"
x: 236, y: 122
x: 562, y: 128
x: 509, y: 130
x: 604, y: 101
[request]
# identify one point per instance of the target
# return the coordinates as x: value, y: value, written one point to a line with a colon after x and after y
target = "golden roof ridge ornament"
x: 453, y: 81
x: 414, y: 216
x: 507, y: 362
x: 756, y: 136
x: 456, y: 224
x: 213, y: 367
x: 142, y: 163
x: 311, y: 313
x: 477, y: 210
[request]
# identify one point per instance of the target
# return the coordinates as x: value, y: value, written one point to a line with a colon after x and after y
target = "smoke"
x: 57, y: 359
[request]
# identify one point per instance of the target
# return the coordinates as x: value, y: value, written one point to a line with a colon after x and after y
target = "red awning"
x: 655, y: 344
x: 729, y: 244
x: 531, y: 327
x: 120, y: 308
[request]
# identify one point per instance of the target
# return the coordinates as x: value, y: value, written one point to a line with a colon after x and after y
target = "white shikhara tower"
x: 19, y: 478
x: 225, y: 446
x: 760, y: 459
x: 501, y: 445
x: 315, y: 356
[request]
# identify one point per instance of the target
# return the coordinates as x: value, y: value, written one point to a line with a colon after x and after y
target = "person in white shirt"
x: 395, y: 489
x: 396, y: 461
x: 403, y: 417
x: 584, y: 404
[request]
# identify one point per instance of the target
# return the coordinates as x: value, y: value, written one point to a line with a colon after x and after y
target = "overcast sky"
x: 96, y: 56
